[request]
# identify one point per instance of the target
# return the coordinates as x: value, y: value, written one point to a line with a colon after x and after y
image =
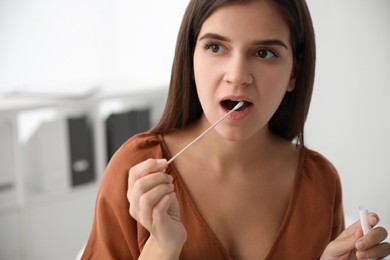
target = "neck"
x: 234, y: 155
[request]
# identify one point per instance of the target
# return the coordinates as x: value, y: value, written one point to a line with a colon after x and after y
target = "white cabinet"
x: 10, y: 235
x: 57, y: 228
x: 42, y: 216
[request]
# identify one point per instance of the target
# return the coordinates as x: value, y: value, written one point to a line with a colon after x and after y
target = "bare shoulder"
x: 173, y: 140
x: 176, y: 140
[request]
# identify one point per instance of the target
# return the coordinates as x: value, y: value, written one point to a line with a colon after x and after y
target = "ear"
x: 291, y: 84
x: 293, y: 78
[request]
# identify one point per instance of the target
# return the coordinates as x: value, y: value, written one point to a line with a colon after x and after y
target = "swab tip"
x: 239, y: 104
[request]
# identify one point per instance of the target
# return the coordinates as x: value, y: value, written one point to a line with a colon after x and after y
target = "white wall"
x: 92, y: 41
x: 349, y: 121
x: 46, y: 41
x: 51, y: 41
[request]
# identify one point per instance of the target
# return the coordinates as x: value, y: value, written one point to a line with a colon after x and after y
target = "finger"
x: 162, y: 208
x: 373, y: 219
x: 341, y: 245
x: 378, y: 252
x: 352, y: 230
x: 148, y: 202
x: 145, y: 184
x: 142, y: 186
x: 174, y: 209
x: 143, y: 168
x: 372, y: 238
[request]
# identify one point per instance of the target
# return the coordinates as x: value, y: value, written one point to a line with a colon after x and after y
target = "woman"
x: 249, y: 189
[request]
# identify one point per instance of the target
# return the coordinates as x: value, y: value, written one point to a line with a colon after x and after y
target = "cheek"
x: 275, y: 85
x: 206, y: 67
x: 276, y: 81
x: 199, y: 80
x: 200, y: 75
x: 199, y: 70
x: 206, y: 75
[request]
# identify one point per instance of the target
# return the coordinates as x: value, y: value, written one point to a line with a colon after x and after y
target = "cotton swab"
x: 239, y: 104
x: 363, y: 213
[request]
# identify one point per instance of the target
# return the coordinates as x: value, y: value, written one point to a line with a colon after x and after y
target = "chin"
x: 240, y: 133
x: 234, y: 135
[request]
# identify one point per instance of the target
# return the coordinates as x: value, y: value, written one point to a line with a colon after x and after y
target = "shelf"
x: 39, y: 166
x: 34, y: 199
x: 17, y: 103
x: 8, y: 199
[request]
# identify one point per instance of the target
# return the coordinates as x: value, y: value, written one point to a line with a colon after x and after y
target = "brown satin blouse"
x: 314, y: 216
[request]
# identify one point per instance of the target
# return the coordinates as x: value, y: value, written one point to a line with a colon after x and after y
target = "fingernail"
x: 360, y: 244
x: 361, y: 254
x: 161, y: 162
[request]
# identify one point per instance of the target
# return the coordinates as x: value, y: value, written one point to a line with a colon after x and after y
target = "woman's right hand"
x: 154, y: 205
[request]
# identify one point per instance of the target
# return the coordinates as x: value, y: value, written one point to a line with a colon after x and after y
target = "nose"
x: 238, y: 72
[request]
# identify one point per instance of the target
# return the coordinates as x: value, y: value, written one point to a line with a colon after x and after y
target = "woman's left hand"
x: 351, y: 244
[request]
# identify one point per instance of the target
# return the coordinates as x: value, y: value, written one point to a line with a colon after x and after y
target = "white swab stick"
x: 205, y: 132
x: 363, y: 213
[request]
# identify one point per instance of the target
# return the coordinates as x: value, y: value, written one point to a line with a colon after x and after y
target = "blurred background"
x: 73, y: 74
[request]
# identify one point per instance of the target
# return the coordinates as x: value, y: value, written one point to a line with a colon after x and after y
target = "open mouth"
x: 229, y: 104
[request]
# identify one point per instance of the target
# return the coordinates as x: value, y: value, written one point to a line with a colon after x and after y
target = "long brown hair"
x: 183, y: 105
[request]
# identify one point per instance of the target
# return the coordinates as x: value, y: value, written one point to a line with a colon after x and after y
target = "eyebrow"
x: 258, y: 42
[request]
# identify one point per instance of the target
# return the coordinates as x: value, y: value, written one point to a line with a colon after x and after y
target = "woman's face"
x: 243, y: 52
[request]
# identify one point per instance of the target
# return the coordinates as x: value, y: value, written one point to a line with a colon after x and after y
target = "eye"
x: 266, y: 54
x: 214, y: 47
